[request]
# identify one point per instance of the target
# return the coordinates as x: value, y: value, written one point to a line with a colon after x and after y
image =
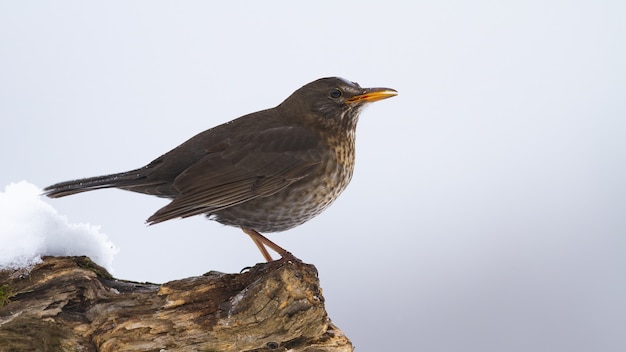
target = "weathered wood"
x: 72, y: 304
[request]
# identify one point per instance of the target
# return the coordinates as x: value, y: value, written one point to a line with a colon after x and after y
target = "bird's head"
x: 332, y: 101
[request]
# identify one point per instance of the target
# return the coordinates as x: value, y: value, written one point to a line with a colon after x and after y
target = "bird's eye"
x: 335, y: 93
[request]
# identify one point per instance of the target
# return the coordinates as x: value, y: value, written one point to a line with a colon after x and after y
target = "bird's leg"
x: 262, y: 241
x: 261, y: 248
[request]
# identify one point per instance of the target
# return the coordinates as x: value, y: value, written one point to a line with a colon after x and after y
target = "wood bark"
x: 72, y: 304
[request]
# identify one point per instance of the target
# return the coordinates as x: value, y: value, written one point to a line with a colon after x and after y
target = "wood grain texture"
x: 72, y: 304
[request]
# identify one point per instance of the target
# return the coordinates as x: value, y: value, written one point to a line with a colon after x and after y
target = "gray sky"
x: 487, y: 208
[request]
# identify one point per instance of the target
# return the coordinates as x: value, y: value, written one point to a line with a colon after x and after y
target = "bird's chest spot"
x: 317, y: 191
x: 292, y: 206
x: 300, y: 201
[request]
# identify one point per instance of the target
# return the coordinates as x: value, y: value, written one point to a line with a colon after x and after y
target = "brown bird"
x: 268, y: 171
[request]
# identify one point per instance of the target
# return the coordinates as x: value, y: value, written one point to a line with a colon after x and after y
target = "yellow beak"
x: 373, y: 94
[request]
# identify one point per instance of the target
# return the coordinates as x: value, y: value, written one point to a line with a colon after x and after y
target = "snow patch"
x: 31, y: 228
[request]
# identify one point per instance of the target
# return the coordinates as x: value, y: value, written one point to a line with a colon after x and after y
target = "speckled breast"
x: 297, y: 203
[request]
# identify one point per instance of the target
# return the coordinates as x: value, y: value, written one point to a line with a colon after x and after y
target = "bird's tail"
x: 119, y: 180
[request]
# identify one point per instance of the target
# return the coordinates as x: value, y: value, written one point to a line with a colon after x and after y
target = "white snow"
x: 31, y: 228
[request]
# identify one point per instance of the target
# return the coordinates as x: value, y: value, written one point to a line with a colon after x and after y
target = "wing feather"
x: 257, y: 165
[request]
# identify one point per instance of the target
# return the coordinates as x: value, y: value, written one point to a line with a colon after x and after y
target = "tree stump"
x: 72, y: 304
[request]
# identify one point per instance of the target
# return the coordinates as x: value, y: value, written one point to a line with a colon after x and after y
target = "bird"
x: 268, y: 171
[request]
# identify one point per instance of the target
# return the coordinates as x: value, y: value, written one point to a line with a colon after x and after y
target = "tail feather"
x: 122, y: 179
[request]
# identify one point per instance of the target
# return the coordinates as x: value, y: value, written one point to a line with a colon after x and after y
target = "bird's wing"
x: 255, y: 165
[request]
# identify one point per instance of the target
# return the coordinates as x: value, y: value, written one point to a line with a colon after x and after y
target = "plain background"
x: 487, y: 210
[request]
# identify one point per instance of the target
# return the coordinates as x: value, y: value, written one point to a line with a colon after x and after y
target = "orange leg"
x: 262, y: 248
x: 262, y: 241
